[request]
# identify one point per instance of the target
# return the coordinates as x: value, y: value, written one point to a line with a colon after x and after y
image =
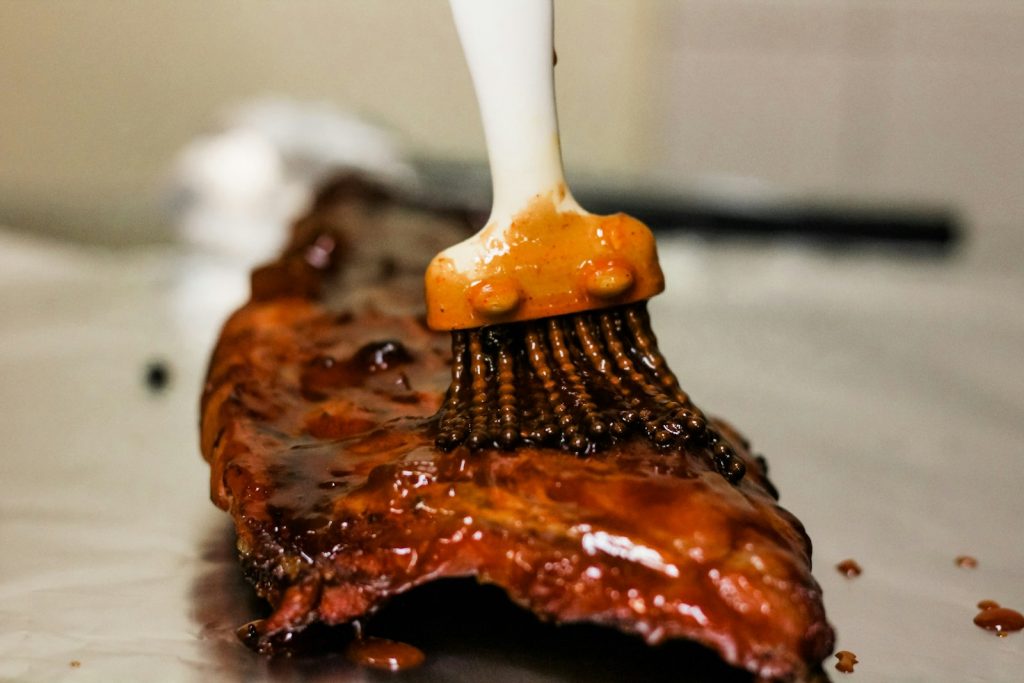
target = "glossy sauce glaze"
x: 325, y: 373
x: 347, y: 482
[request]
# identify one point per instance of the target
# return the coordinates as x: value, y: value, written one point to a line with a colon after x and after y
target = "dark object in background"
x: 933, y: 227
x: 158, y: 376
x: 829, y: 223
x: 825, y: 222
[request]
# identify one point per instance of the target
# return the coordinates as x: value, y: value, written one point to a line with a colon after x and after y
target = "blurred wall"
x: 920, y: 99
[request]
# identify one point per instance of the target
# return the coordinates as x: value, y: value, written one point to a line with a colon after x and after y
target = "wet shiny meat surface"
x: 318, y: 425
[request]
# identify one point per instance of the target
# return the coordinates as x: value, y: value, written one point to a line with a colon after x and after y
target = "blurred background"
x: 873, y: 101
x: 152, y: 151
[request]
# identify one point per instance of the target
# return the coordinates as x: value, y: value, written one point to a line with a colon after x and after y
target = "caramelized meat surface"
x: 318, y: 423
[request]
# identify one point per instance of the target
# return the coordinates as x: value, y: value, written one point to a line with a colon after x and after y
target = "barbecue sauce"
x: 849, y: 568
x: 324, y: 372
x: 380, y: 653
x: 847, y: 660
x: 1002, y: 620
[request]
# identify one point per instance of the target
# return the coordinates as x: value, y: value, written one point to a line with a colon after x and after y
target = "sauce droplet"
x: 966, y: 562
x: 849, y: 568
x: 999, y: 619
x: 988, y: 604
x: 324, y: 373
x: 846, y: 662
x: 249, y: 633
x: 379, y: 653
x: 74, y: 664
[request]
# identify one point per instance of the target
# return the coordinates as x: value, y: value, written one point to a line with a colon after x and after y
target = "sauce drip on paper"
x: 380, y: 653
x: 1002, y: 620
x: 847, y: 660
x: 849, y: 568
x: 966, y: 562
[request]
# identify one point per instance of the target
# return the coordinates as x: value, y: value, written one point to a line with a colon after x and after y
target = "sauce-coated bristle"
x: 580, y: 382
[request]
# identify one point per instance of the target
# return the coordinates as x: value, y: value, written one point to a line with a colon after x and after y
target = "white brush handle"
x: 509, y: 49
x: 540, y: 255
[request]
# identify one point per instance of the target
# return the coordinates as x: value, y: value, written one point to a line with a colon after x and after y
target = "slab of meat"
x: 317, y: 423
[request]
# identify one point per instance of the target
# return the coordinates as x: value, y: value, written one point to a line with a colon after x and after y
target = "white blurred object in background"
x: 234, y: 191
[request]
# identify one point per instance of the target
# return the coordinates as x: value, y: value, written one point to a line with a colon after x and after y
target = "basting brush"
x: 551, y: 341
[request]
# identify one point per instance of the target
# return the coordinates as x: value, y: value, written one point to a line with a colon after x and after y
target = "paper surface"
x: 886, y: 393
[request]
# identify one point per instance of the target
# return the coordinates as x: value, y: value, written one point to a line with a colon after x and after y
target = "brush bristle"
x: 580, y: 382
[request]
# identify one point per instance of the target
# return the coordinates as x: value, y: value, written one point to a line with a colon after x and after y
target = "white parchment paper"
x: 887, y: 394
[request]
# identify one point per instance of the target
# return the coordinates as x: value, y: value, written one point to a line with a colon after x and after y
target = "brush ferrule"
x: 546, y: 262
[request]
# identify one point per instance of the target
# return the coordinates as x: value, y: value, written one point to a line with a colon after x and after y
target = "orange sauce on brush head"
x: 546, y: 263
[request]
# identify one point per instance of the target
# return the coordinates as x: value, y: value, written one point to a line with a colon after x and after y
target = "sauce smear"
x: 966, y: 562
x: 379, y: 653
x: 846, y: 662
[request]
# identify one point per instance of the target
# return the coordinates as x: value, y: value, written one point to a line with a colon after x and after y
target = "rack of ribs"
x: 318, y: 420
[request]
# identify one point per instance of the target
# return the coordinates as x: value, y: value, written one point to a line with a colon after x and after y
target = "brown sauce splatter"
x: 74, y: 664
x: 379, y: 653
x: 847, y: 660
x: 1002, y: 620
x: 849, y: 568
x: 966, y: 562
